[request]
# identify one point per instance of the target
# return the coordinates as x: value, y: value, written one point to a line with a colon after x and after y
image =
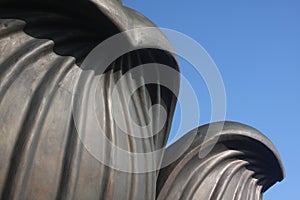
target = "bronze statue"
x: 42, y: 47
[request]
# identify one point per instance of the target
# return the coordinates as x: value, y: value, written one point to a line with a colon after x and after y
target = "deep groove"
x: 108, y: 131
x: 224, y: 180
x: 67, y: 161
x: 131, y: 144
x: 86, y: 79
x: 208, y: 166
x: 112, y: 137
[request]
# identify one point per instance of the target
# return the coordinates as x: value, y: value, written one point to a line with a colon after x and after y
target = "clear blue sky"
x: 256, y: 46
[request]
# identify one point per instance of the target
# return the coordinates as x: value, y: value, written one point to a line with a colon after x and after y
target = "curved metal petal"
x: 242, y: 165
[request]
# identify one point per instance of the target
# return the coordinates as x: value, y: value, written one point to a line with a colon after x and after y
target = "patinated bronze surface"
x: 42, y: 46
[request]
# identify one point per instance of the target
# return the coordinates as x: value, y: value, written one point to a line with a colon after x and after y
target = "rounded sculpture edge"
x: 243, y: 146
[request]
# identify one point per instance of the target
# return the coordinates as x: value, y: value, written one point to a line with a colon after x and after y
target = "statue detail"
x: 42, y: 47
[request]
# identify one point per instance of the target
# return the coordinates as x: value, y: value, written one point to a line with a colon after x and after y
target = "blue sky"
x: 256, y: 46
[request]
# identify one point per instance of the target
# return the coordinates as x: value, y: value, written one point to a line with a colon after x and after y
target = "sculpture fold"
x: 241, y: 165
x: 42, y: 155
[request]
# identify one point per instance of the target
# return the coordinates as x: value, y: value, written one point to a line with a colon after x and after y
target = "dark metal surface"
x: 42, y: 44
x: 242, y: 165
x: 41, y: 154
